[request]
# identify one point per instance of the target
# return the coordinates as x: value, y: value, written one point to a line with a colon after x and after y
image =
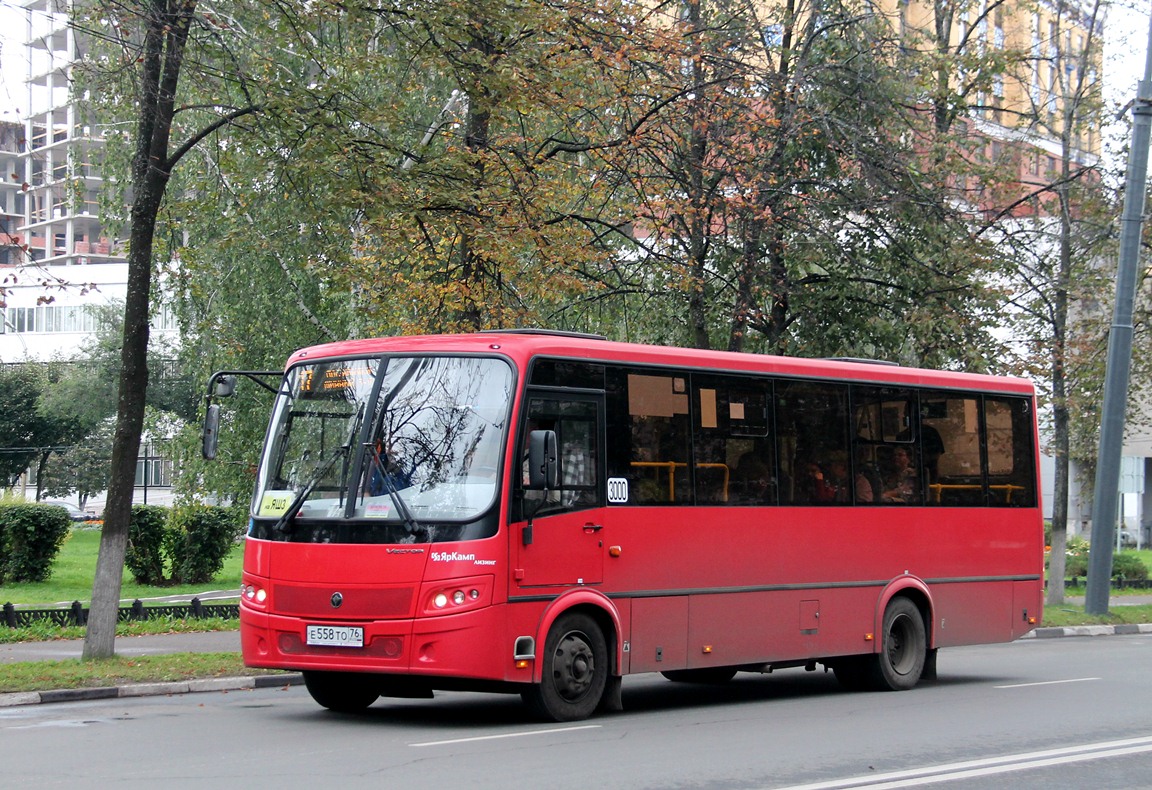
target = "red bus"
x: 545, y: 512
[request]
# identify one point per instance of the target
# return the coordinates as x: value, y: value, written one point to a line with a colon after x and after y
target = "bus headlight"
x: 253, y: 593
x: 457, y: 596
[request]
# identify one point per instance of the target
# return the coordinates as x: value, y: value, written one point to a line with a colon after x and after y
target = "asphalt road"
x: 1035, y: 713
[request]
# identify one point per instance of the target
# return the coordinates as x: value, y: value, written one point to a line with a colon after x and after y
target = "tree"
x: 153, y: 36
x: 30, y: 431
x: 24, y: 431
x: 412, y: 173
x: 1059, y: 243
x: 80, y: 468
x: 785, y: 192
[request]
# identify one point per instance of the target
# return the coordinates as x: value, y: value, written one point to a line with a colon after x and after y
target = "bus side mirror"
x: 211, y: 431
x: 225, y: 386
x: 543, y: 464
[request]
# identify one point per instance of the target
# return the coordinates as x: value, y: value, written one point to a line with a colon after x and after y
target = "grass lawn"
x: 77, y: 673
x: 75, y: 566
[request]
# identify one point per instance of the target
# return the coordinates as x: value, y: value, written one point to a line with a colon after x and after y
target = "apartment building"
x: 57, y: 261
x: 59, y: 264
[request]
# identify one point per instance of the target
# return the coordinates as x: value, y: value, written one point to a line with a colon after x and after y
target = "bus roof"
x: 522, y: 345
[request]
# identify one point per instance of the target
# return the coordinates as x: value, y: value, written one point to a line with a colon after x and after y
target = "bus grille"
x: 358, y: 604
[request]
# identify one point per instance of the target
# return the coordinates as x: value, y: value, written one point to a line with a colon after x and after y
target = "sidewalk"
x: 156, y: 644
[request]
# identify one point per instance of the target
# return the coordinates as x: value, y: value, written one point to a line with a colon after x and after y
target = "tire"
x: 713, y: 676
x: 575, y: 670
x: 344, y: 692
x: 853, y: 673
x: 903, y: 647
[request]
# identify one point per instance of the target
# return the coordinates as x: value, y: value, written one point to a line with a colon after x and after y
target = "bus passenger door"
x: 563, y: 541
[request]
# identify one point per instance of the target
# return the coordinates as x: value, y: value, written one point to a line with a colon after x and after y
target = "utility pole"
x: 1119, y: 363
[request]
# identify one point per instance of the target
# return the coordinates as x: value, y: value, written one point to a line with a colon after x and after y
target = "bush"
x: 1125, y: 565
x: 30, y: 538
x: 146, y: 538
x: 199, y: 539
x: 1129, y: 567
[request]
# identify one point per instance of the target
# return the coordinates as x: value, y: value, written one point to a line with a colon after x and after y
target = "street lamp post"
x: 1107, y: 492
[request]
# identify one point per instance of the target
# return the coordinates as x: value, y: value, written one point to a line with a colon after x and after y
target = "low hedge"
x: 1125, y: 565
x: 200, y: 537
x: 146, y: 534
x: 30, y: 538
x: 191, y: 541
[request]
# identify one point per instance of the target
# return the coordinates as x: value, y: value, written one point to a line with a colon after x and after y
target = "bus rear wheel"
x: 575, y: 670
x: 344, y: 692
x: 903, y: 647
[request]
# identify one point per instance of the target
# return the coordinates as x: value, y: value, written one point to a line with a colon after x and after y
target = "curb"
x: 1123, y: 629
x: 17, y: 698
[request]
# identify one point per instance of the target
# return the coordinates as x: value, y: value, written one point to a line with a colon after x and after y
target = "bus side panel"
x: 717, y: 638
x: 980, y: 612
x: 1028, y: 611
x: 659, y: 634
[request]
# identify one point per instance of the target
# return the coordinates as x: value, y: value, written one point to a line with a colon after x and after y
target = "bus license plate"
x: 335, y: 636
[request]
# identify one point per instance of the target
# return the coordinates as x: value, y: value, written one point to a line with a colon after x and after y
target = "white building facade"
x: 59, y: 266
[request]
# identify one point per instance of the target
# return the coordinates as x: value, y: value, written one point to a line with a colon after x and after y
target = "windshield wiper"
x: 410, y: 523
x: 283, y: 523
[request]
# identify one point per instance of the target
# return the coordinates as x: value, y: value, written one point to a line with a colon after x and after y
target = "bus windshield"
x: 412, y: 442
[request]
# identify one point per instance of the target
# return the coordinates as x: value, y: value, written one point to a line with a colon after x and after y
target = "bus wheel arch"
x: 595, y: 606
x: 575, y: 667
x: 918, y: 593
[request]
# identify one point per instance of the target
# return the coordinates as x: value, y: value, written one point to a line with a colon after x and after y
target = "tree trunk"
x: 698, y: 223
x: 166, y: 25
x: 1060, y: 438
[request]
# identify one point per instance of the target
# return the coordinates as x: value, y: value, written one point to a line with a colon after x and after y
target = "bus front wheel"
x: 344, y: 692
x: 903, y: 649
x: 575, y: 670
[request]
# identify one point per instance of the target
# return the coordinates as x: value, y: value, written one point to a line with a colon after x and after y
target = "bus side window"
x: 647, y: 448
x: 955, y: 478
x: 575, y: 425
x: 732, y: 453
x: 1008, y: 437
x: 812, y: 422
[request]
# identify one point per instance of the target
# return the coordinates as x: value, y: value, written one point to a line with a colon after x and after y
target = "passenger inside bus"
x: 901, y: 484
x: 845, y: 490
x: 869, y: 486
x: 753, y: 483
x: 813, y: 488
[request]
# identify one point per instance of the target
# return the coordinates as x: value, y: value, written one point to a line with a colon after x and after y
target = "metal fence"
x: 77, y: 614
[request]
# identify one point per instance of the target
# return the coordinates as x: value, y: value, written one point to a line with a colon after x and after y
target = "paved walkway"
x: 157, y: 644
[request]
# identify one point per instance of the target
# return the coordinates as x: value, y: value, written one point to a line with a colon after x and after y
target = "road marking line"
x: 1045, y: 683
x: 987, y: 766
x: 508, y: 735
